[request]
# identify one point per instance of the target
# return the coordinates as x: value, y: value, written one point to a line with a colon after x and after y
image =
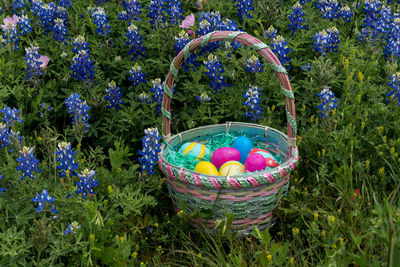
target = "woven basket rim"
x: 292, y: 157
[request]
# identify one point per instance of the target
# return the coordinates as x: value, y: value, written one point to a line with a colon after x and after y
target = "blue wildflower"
x: 214, y: 72
x: 392, y: 47
x: 271, y: 32
x: 24, y: 25
x: 281, y: 50
x: 43, y: 198
x: 203, y: 97
x: 33, y: 63
x: 151, y: 147
x: 329, y: 9
x: 65, y: 157
x: 180, y: 41
x: 253, y: 65
x: 253, y: 97
x: 27, y: 163
x: 132, y: 10
x: 328, y: 102
x: 60, y: 31
x: 296, y: 18
x: 17, y: 5
x: 62, y: 14
x: 2, y: 188
x: 80, y: 43
x: 10, y: 32
x: 113, y: 95
x: 72, y: 228
x: 135, y: 42
x: 87, y: 183
x: 244, y: 7
x: 345, y: 13
x: 144, y: 98
x: 394, y: 94
x: 306, y: 67
x: 4, y: 135
x: 326, y: 41
x: 174, y: 11
x: 370, y: 30
x: 78, y: 109
x: 156, y: 13
x: 136, y: 75
x: 83, y: 67
x: 11, y: 115
x: 100, y: 19
x: 158, y: 92
x: 47, y: 13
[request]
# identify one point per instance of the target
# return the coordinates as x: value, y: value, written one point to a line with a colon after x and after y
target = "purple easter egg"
x: 224, y: 154
x: 255, y: 162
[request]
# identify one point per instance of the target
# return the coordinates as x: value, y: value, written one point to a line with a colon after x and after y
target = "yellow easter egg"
x: 231, y: 168
x: 195, y: 149
x: 206, y: 168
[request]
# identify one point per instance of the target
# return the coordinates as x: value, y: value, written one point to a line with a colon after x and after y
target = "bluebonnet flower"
x: 46, y: 107
x: 27, y: 163
x: 135, y: 42
x: 11, y: 115
x: 158, y: 92
x: 385, y: 23
x: 281, y: 50
x: 10, y: 33
x: 60, y: 31
x: 24, y: 25
x: 83, y: 66
x: 328, y: 102
x: 80, y: 43
x: 271, y: 32
x: 394, y: 94
x: 47, y: 13
x: 151, y: 147
x: 392, y: 47
x: 296, y: 18
x: 345, y: 13
x: 137, y: 75
x: 371, y: 22
x: 244, y: 7
x: 62, y: 14
x: 4, y: 135
x: 2, y: 188
x: 100, y: 19
x: 203, y: 97
x: 65, y: 157
x: 72, y: 228
x: 65, y: 3
x: 156, y: 13
x: 326, y: 41
x: 144, y: 98
x: 17, y: 5
x: 180, y: 42
x: 87, y: 183
x: 33, y: 64
x: 78, y: 109
x: 329, y: 8
x: 43, y: 198
x: 253, y: 97
x: 306, y: 67
x: 132, y: 10
x: 113, y: 95
x: 253, y: 65
x: 214, y: 72
x: 174, y: 11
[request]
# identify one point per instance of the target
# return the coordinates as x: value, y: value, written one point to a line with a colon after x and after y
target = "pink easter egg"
x: 255, y: 162
x: 224, y: 154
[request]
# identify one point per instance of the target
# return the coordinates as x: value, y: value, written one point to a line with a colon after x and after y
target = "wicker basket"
x: 250, y: 197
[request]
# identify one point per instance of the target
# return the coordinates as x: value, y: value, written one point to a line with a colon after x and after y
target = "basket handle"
x: 243, y: 38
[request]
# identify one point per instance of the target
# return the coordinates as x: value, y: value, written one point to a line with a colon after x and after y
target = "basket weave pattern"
x: 251, y: 197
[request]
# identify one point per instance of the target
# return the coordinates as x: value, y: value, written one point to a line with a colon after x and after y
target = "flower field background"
x: 80, y: 110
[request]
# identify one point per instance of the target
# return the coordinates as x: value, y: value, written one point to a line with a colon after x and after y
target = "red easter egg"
x: 224, y: 154
x: 271, y: 162
x: 255, y: 162
x: 255, y: 150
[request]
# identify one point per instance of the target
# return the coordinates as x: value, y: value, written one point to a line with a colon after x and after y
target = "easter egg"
x: 244, y: 145
x: 269, y: 158
x: 231, y: 168
x: 224, y: 154
x: 255, y: 162
x: 206, y: 168
x: 195, y: 149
